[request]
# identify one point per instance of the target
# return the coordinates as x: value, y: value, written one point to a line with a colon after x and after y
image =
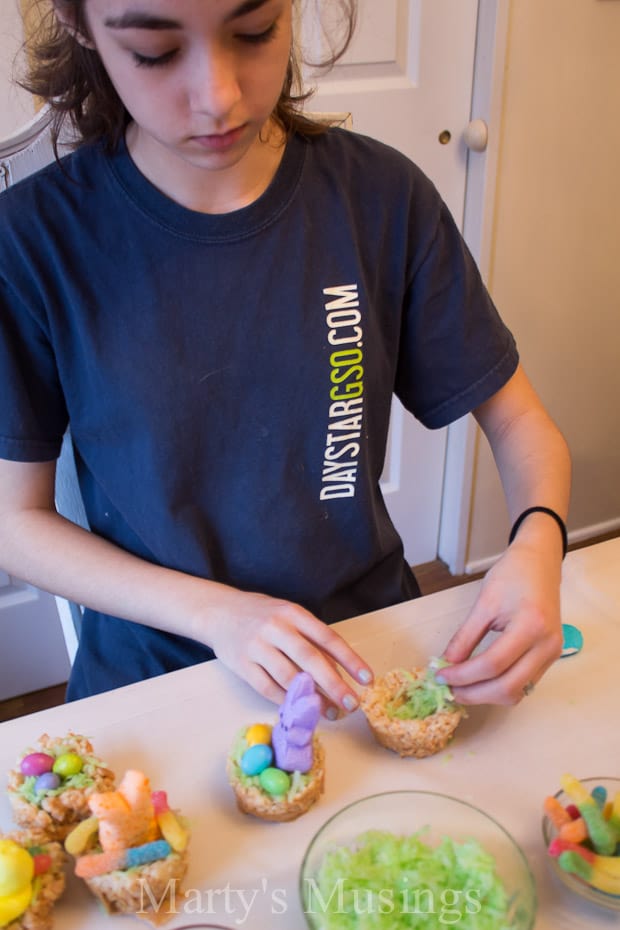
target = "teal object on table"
x: 573, y: 640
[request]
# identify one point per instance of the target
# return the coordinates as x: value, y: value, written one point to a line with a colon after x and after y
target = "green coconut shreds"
x: 299, y: 780
x: 27, y: 788
x: 389, y: 882
x: 421, y: 697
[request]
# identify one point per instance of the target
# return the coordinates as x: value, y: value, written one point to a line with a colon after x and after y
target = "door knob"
x: 476, y: 135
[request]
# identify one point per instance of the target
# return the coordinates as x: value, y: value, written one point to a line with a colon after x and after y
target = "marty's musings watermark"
x: 237, y: 903
x: 448, y: 907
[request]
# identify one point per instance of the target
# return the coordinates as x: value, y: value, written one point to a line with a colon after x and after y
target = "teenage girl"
x: 220, y: 297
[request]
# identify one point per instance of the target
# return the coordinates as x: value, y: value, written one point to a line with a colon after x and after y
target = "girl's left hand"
x: 519, y: 600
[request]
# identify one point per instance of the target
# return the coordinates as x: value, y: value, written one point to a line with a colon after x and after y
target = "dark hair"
x: 71, y: 78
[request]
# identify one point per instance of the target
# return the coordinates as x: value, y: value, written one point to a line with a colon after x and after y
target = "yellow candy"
x: 258, y: 733
x: 77, y: 840
x: 172, y: 831
x: 13, y: 906
x: 16, y: 868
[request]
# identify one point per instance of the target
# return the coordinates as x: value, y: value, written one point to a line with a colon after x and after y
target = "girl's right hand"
x: 267, y: 641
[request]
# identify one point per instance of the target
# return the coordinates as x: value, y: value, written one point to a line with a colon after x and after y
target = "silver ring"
x: 528, y: 688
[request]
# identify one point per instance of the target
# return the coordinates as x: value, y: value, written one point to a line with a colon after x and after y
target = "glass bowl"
x: 577, y: 885
x: 403, y: 813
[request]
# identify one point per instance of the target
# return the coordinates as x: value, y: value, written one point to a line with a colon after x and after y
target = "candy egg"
x: 275, y: 781
x: 69, y: 763
x: 258, y: 733
x: 256, y: 759
x: 36, y: 763
x: 47, y: 782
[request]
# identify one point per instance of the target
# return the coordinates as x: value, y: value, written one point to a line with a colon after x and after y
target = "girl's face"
x: 200, y: 78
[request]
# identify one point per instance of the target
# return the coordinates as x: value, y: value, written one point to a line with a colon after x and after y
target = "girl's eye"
x: 255, y: 38
x: 144, y: 61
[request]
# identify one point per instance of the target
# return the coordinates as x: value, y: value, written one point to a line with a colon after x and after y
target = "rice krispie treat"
x: 410, y: 713
x: 51, y: 783
x: 132, y: 851
x: 31, y: 880
x: 278, y: 773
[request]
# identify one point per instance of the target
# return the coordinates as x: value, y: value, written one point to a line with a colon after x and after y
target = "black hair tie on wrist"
x: 558, y: 519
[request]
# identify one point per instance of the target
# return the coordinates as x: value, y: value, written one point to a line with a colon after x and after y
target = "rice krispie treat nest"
x: 277, y: 773
x: 51, y: 783
x: 303, y: 791
x: 32, y: 879
x: 132, y: 851
x: 409, y: 713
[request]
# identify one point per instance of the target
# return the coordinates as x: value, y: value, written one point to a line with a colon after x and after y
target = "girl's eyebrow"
x: 135, y: 19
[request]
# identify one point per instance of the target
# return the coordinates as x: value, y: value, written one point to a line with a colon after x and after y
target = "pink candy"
x: 37, y: 763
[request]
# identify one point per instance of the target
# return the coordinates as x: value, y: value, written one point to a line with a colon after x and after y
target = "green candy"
x: 274, y: 781
x: 68, y: 764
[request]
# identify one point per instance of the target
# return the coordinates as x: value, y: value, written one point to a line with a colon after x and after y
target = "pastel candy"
x: 159, y: 800
x: 556, y: 812
x: 601, y: 833
x: 126, y: 816
x: 258, y: 733
x: 576, y: 831
x: 36, y: 763
x: 298, y: 716
x: 48, y: 781
x: 256, y: 758
x: 102, y: 863
x: 275, y: 781
x: 77, y: 840
x: 149, y: 852
x: 69, y: 763
x: 172, y: 830
x: 99, y: 863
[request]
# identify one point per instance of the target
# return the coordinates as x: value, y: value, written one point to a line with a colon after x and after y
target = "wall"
x: 555, y: 263
x: 17, y: 105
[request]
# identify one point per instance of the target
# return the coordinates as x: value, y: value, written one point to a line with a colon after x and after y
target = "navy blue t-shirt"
x: 228, y: 378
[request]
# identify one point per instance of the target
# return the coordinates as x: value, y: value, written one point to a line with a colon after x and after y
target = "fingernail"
x: 349, y: 702
x: 365, y: 677
x: 440, y: 680
x: 331, y: 713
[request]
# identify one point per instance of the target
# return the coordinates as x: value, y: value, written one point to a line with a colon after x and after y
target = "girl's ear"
x: 66, y: 16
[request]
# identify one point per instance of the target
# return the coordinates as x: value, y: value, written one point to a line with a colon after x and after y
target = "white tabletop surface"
x: 178, y: 729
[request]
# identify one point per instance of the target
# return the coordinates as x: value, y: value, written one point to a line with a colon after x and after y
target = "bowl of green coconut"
x: 408, y: 859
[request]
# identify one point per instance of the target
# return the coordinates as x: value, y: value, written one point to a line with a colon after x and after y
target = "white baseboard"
x: 574, y: 536
x: 591, y: 532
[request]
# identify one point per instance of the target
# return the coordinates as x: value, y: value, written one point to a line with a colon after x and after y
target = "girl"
x: 220, y: 298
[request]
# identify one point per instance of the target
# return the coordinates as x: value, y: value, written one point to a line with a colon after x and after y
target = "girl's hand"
x: 520, y: 600
x: 267, y: 641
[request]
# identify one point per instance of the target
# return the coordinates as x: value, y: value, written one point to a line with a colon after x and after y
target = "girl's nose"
x: 215, y: 85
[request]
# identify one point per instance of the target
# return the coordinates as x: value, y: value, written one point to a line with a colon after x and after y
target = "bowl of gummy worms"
x: 581, y: 830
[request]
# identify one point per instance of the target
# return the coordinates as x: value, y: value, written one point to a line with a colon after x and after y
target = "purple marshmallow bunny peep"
x: 292, y: 735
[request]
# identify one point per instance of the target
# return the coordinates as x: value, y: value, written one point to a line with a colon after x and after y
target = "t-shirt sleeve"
x: 33, y: 414
x: 455, y: 350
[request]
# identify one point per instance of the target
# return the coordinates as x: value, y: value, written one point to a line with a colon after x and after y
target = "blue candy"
x: 600, y: 795
x: 47, y: 782
x: 149, y: 852
x: 256, y: 759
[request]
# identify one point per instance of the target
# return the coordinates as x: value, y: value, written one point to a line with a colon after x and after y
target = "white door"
x: 407, y: 80
x: 32, y: 652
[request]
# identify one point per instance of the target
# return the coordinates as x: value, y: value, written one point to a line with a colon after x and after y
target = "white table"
x: 178, y: 729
